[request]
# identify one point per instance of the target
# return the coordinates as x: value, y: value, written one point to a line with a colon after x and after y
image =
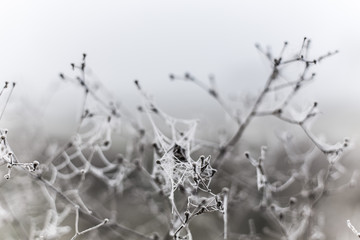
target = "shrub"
x: 123, y: 177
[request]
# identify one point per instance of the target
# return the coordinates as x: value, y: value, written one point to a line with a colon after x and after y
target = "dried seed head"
x: 187, y: 215
x: 155, y: 236
x: 292, y: 201
x: 137, y: 84
x: 119, y: 158
x: 225, y: 190
x: 35, y: 164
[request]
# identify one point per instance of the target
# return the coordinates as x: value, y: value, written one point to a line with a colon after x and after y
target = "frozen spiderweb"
x: 85, y: 155
x: 174, y: 170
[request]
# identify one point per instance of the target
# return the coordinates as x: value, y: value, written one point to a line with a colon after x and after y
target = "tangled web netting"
x: 86, y: 152
x: 174, y: 170
x: 68, y: 167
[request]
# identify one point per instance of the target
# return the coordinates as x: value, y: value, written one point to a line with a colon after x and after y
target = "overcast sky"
x: 146, y: 40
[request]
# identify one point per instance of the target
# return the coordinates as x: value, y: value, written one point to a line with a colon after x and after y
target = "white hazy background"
x: 147, y: 40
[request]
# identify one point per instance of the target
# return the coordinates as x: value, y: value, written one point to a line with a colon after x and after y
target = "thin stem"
x: 7, y: 100
x: 245, y: 123
x: 91, y: 217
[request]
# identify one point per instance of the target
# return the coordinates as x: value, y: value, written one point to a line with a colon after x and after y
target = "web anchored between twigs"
x: 84, y: 156
x: 174, y: 170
